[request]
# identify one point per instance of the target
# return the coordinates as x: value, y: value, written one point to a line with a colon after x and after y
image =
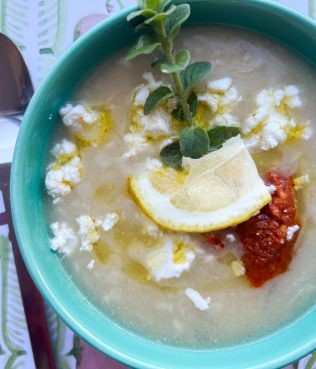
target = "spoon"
x: 16, y: 87
x: 16, y: 90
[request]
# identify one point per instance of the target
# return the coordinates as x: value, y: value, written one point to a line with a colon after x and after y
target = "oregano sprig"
x: 162, y: 22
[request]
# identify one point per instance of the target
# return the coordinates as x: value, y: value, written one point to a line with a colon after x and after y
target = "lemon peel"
x: 222, y: 189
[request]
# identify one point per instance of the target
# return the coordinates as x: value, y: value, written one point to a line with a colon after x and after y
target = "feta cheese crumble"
x: 91, y: 264
x: 169, y: 260
x: 143, y: 90
x: 220, y: 98
x: 220, y: 85
x: 152, y: 84
x: 88, y: 231
x: 64, y: 149
x: 226, y: 119
x: 141, y: 95
x: 87, y: 124
x: 300, y: 182
x: 156, y: 124
x: 198, y: 300
x: 237, y: 267
x: 76, y: 116
x: 152, y: 126
x: 89, y: 228
x: 272, y: 123
x: 64, y: 238
x: 291, y: 231
x: 153, y: 164
x: 136, y: 143
x: 109, y: 221
x: 65, y: 172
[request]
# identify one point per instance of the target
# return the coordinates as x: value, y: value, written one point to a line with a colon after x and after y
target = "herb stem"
x: 167, y: 48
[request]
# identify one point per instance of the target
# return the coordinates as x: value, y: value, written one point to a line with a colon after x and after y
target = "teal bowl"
x: 30, y: 221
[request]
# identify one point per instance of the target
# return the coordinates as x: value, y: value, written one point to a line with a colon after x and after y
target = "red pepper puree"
x: 264, y: 236
x: 215, y: 240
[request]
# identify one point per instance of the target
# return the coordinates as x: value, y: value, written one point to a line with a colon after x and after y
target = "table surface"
x: 43, y: 29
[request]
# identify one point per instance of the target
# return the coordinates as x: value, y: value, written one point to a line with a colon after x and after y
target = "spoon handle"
x: 32, y: 300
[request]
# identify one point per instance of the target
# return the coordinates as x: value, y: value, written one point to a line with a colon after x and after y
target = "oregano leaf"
x: 218, y: 135
x: 182, y: 59
x: 175, y: 32
x: 195, y: 73
x: 151, y: 4
x: 163, y: 4
x: 156, y: 97
x: 193, y: 103
x: 176, y: 19
x: 171, y: 155
x: 141, y: 27
x: 178, y: 114
x: 194, y: 142
x: 139, y: 13
x: 145, y: 44
x: 160, y: 16
x: 158, y: 62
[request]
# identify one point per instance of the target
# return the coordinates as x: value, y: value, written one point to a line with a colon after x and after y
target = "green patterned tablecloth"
x: 43, y: 29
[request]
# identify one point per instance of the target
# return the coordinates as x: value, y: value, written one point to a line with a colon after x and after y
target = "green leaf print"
x: 13, y: 20
x: 52, y: 21
x: 13, y: 325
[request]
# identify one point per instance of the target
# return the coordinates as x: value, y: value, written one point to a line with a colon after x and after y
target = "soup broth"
x: 119, y: 284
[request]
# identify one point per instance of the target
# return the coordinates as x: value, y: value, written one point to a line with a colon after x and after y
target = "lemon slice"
x: 221, y: 189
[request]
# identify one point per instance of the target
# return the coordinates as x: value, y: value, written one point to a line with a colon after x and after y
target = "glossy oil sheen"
x: 27, y: 195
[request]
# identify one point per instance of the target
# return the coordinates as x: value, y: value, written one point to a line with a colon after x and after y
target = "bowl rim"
x: 15, y: 191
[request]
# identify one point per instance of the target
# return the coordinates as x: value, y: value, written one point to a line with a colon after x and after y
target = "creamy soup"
x: 111, y: 268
